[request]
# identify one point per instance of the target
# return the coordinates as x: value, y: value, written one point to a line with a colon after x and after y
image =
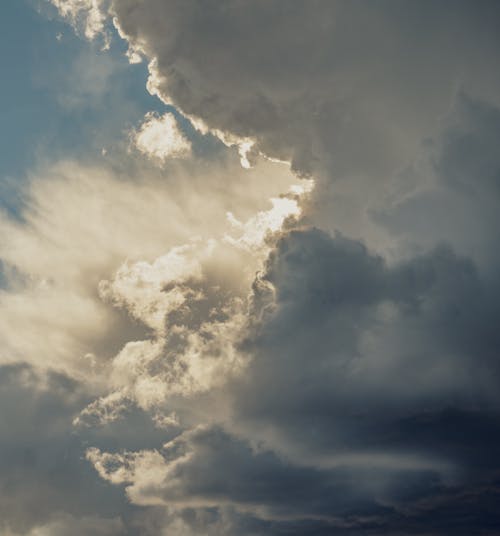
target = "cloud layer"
x: 273, y: 309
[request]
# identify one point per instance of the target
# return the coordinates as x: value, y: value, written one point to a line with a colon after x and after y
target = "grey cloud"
x: 207, y: 467
x: 85, y: 526
x: 451, y: 192
x: 344, y: 90
x: 341, y: 85
x: 362, y: 363
x: 218, y: 483
x: 45, y: 483
x: 350, y: 329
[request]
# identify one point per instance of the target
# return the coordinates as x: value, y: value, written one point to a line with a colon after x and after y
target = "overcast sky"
x: 249, y: 268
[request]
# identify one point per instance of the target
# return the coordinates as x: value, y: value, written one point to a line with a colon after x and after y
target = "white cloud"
x: 254, y: 231
x: 160, y: 138
x: 142, y: 288
x: 88, y: 15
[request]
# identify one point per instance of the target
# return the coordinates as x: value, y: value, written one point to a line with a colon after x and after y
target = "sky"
x: 249, y: 268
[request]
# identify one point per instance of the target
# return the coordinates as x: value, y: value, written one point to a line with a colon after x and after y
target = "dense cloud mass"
x: 273, y: 308
x: 342, y: 85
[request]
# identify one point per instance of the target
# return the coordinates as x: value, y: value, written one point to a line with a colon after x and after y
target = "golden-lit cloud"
x: 81, y: 223
x: 160, y: 138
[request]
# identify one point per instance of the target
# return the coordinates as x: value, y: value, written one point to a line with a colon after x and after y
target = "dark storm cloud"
x: 361, y: 356
x: 362, y: 365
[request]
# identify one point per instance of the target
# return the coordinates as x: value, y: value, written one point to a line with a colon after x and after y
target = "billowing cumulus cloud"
x: 272, y: 308
x: 313, y: 81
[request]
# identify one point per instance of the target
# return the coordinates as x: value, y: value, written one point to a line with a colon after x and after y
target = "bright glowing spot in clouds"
x: 304, y: 188
x: 160, y: 138
x: 253, y: 232
x: 244, y: 149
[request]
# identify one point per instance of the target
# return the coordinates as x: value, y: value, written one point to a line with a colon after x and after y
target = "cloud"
x: 86, y: 15
x: 379, y: 339
x: 334, y: 89
x: 267, y: 360
x: 253, y: 232
x: 206, y: 467
x: 194, y: 300
x: 377, y: 373
x: 160, y: 138
x: 86, y: 526
x: 212, y: 481
x: 398, y: 369
x: 450, y: 192
x: 43, y: 481
x: 298, y: 84
x: 80, y: 222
